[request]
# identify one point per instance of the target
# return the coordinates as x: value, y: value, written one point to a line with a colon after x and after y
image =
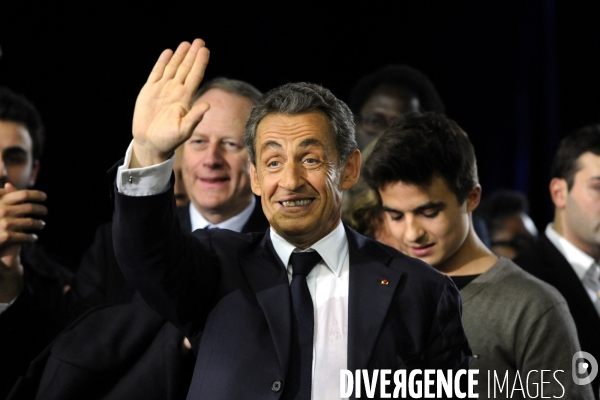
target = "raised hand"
x: 19, y: 216
x: 163, y: 116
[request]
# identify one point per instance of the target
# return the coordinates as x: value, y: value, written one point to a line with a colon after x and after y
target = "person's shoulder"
x: 519, y: 282
x: 536, y: 255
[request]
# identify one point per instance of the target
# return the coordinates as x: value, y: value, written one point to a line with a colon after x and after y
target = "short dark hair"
x: 501, y: 204
x: 232, y: 86
x: 397, y: 76
x: 299, y: 98
x: 417, y: 147
x: 16, y: 108
x: 571, y: 147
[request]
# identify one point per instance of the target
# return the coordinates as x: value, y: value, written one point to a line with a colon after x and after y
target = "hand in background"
x: 19, y: 215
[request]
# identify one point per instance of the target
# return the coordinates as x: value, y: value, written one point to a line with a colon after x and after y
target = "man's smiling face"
x: 215, y: 160
x: 298, y: 175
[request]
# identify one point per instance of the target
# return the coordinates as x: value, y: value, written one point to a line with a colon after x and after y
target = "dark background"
x: 516, y: 75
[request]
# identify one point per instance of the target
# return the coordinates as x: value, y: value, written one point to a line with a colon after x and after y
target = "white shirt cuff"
x: 145, y: 181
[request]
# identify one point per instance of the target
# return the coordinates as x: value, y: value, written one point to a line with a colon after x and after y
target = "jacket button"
x: 276, y: 386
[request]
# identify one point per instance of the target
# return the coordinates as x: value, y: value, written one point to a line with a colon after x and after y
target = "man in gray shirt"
x: 520, y: 328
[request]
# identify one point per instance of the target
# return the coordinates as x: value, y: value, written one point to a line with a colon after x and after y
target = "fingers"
x: 11, y: 237
x: 196, y: 74
x: 187, y: 58
x: 22, y: 196
x: 188, y: 61
x: 193, y: 117
x: 21, y: 224
x: 159, y: 67
x: 173, y: 65
x: 21, y: 210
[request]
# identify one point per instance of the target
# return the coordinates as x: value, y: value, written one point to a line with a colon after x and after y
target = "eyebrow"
x: 305, y: 143
x: 427, y: 206
x: 270, y: 144
x: 311, y: 142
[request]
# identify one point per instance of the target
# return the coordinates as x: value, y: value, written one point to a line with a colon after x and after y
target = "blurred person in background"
x: 31, y: 283
x: 506, y: 215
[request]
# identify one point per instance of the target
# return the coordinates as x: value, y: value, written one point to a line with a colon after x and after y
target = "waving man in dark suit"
x: 283, y: 311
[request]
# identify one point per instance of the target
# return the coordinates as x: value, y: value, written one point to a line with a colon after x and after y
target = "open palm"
x: 164, y: 117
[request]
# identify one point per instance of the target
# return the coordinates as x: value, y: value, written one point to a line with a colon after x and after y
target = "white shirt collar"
x: 235, y: 223
x: 579, y: 260
x: 333, y: 248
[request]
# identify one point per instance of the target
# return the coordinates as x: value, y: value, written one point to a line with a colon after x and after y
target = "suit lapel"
x: 368, y: 298
x: 268, y: 279
x: 563, y: 277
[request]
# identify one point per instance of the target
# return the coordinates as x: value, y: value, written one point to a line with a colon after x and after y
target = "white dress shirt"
x: 328, y: 282
x: 235, y: 223
x: 586, y: 268
x: 328, y: 285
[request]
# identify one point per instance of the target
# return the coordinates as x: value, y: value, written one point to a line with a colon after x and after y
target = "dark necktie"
x: 300, y: 369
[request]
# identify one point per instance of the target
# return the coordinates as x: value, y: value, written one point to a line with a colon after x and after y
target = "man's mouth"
x: 213, y: 180
x: 422, y: 251
x: 296, y: 203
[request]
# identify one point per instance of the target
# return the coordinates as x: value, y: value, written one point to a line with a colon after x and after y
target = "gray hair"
x: 299, y: 98
x: 232, y: 86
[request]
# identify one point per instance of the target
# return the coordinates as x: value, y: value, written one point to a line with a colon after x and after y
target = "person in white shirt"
x: 280, y: 313
x: 568, y: 253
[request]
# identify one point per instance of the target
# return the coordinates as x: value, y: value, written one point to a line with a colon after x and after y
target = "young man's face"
x: 582, y: 206
x: 428, y: 223
x: 17, y: 166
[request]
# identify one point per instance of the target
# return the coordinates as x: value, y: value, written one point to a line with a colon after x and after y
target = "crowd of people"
x: 262, y: 243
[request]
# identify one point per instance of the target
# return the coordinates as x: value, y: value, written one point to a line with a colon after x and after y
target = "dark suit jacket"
x: 547, y: 263
x: 99, y: 279
x: 233, y: 289
x: 133, y: 352
x: 35, y: 318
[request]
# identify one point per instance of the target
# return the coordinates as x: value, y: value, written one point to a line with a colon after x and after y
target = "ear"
x: 559, y: 192
x: 473, y: 198
x: 254, y: 183
x: 35, y: 170
x: 351, y: 171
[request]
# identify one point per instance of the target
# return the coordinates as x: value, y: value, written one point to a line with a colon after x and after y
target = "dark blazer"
x: 233, y: 289
x: 99, y: 279
x: 547, y: 263
x: 134, y: 352
x: 35, y: 318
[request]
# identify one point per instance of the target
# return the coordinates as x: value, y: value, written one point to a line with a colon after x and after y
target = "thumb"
x: 9, y: 187
x: 193, y: 117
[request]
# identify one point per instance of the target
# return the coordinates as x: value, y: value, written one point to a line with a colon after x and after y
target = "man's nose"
x: 213, y: 156
x: 413, y: 230
x: 291, y: 176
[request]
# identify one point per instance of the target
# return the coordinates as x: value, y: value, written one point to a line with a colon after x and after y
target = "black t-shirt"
x: 462, y: 281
